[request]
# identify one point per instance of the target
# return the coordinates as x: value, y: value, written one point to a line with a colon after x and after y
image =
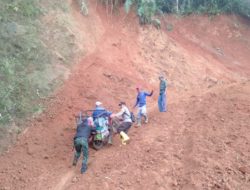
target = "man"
x: 141, y: 103
x: 81, y: 142
x: 100, y: 111
x: 125, y: 116
x: 162, y: 95
x: 100, y: 116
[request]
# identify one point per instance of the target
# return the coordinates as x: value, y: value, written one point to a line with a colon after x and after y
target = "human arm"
x: 104, y: 113
x: 137, y: 101
x: 119, y: 114
x: 149, y: 94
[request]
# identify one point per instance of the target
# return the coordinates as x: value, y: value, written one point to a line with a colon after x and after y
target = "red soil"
x: 202, y: 142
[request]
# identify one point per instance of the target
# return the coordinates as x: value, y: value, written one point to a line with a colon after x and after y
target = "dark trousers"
x: 124, y: 126
x: 81, y: 145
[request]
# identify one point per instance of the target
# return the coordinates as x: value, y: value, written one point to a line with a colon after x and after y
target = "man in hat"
x: 125, y: 116
x: 100, y: 116
x: 141, y: 103
x: 162, y: 94
x: 82, y: 135
x: 100, y: 111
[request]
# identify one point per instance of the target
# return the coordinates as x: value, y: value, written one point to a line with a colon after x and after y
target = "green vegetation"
x: 21, y: 52
x: 146, y: 9
x: 241, y: 7
x: 29, y: 47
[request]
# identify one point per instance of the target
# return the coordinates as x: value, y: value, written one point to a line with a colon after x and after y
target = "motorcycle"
x: 103, y: 131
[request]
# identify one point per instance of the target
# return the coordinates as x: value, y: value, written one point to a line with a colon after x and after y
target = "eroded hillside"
x: 200, y: 143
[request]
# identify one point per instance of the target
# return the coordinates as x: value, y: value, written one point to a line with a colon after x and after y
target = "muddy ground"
x: 202, y: 142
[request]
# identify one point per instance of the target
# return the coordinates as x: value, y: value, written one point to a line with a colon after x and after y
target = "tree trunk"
x: 177, y: 6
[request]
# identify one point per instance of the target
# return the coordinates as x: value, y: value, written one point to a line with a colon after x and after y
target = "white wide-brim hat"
x: 98, y: 103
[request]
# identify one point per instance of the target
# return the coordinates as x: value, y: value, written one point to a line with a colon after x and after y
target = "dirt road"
x: 202, y: 142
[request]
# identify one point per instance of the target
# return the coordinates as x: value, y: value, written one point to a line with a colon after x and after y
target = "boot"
x: 75, y: 161
x: 146, y: 119
x: 84, y: 168
x: 138, y: 124
x: 124, y: 137
x: 110, y: 140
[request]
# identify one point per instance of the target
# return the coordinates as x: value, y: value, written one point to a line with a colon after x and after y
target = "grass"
x: 27, y: 56
x: 21, y: 52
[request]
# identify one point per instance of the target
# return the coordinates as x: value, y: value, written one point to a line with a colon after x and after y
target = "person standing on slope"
x: 141, y: 103
x: 81, y: 138
x: 162, y: 99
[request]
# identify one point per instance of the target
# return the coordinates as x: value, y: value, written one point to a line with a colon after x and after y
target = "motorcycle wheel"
x: 97, y: 144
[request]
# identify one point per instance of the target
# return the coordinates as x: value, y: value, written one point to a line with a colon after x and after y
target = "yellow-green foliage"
x: 21, y: 52
x: 25, y: 57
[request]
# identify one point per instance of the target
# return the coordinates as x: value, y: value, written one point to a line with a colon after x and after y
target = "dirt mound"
x: 200, y: 143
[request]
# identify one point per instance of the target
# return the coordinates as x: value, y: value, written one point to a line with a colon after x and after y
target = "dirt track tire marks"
x: 63, y: 183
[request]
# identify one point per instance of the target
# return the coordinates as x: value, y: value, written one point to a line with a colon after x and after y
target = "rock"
x: 123, y: 172
x: 211, y: 81
x: 245, y: 169
x: 39, y: 119
x: 138, y: 181
x: 97, y: 174
x: 30, y: 150
x: 175, y: 183
x: 75, y: 179
x: 59, y: 56
x: 46, y: 157
x: 216, y: 185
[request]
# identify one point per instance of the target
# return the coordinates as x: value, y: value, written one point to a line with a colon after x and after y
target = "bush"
x: 21, y: 53
x: 241, y: 7
x: 147, y: 8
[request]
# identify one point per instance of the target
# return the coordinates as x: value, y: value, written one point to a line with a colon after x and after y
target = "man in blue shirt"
x: 141, y: 103
x: 100, y: 111
x: 162, y: 95
x: 100, y: 116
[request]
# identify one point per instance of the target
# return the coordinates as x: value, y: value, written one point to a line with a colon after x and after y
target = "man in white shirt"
x: 125, y: 116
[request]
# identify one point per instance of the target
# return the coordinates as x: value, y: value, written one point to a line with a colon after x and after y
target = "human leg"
x: 159, y: 103
x: 123, y: 130
x: 144, y: 113
x: 110, y: 138
x: 164, y: 105
x: 162, y: 102
x: 78, y: 148
x: 85, y: 150
x: 139, y: 115
x: 125, y: 126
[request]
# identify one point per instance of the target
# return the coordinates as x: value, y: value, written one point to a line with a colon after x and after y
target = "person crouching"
x: 126, y: 121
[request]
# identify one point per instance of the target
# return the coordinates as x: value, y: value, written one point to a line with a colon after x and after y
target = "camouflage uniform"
x: 81, y: 145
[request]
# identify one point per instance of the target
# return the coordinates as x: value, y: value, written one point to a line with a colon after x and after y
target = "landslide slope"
x: 200, y: 143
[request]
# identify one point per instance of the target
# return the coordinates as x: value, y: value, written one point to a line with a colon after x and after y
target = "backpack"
x: 132, y: 117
